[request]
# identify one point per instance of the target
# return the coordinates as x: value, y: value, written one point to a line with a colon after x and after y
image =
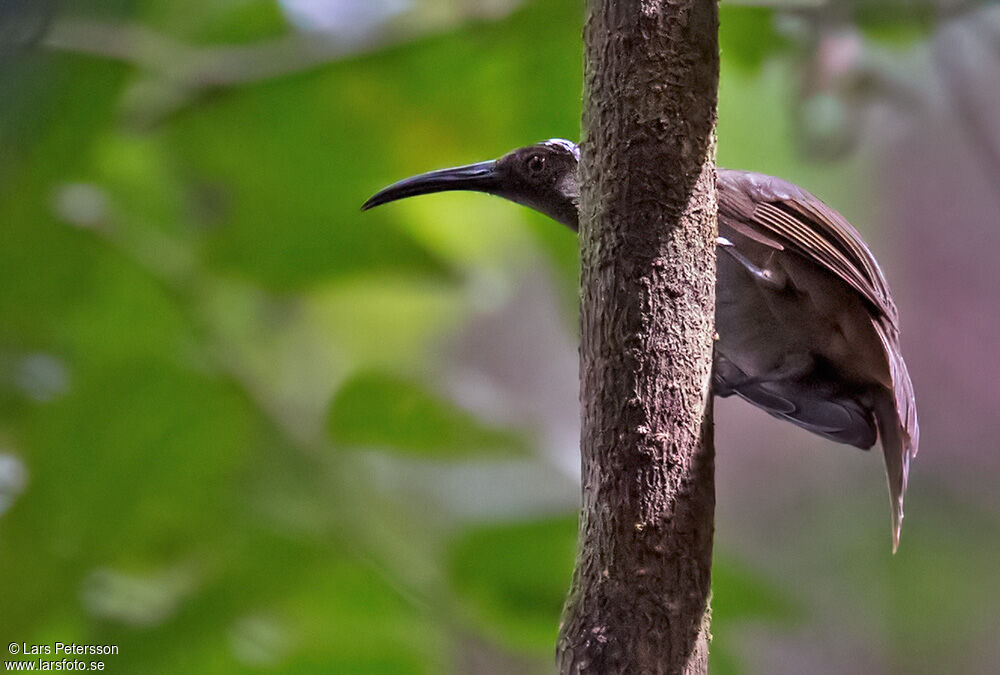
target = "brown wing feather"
x: 800, y: 222
x: 902, y: 387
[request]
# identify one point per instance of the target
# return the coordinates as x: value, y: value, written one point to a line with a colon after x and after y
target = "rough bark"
x: 639, y: 599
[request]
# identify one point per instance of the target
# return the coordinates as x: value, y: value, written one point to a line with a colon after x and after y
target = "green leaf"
x: 383, y: 411
x: 740, y: 594
x: 747, y: 36
x: 897, y: 25
x: 513, y: 579
x: 216, y: 22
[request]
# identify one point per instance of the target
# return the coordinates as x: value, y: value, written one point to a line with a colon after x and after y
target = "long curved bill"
x: 479, y: 177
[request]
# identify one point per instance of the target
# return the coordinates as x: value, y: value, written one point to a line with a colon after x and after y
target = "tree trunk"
x: 639, y: 600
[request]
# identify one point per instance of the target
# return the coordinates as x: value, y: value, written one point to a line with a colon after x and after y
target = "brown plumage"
x: 808, y: 330
x: 792, y: 233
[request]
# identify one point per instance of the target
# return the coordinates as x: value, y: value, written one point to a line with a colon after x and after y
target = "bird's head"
x: 541, y: 176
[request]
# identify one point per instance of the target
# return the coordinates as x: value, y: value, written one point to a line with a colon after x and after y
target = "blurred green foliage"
x: 380, y: 411
x: 213, y: 365
x: 488, y: 567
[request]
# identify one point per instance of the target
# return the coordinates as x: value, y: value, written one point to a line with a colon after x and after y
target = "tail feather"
x: 896, y: 413
x: 898, y: 450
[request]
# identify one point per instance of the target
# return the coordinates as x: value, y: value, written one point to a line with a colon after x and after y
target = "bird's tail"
x: 896, y: 415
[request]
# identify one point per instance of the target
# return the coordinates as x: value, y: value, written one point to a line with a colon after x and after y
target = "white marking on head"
x: 565, y: 145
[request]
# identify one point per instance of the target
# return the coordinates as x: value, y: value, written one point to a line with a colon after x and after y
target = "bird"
x: 807, y: 329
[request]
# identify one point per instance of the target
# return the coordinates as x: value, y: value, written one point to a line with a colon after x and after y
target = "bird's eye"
x: 536, y: 163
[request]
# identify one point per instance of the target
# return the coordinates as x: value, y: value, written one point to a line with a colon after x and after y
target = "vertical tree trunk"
x: 639, y: 600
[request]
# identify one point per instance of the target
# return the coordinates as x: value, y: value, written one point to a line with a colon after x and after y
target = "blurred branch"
x: 216, y: 66
x: 23, y: 23
x: 198, y: 67
x: 962, y: 51
x: 184, y: 72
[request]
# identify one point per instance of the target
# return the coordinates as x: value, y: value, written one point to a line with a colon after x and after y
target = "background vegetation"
x: 245, y: 427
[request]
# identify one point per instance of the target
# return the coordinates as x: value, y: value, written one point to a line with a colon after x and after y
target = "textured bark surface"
x: 639, y: 600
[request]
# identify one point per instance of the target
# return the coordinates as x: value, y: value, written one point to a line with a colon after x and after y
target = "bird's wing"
x: 837, y: 417
x: 782, y: 215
